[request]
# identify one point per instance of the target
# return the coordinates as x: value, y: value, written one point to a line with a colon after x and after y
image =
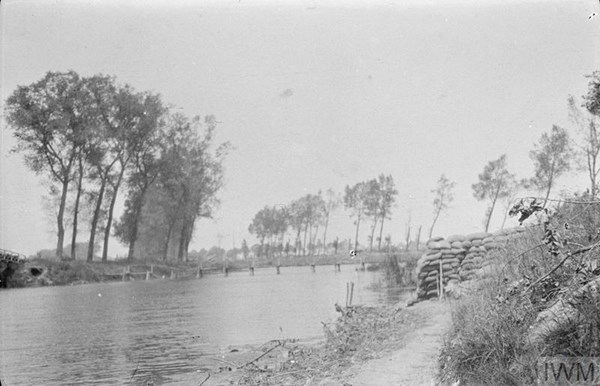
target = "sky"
x: 316, y: 95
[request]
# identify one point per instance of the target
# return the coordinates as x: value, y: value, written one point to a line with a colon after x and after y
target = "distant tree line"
x: 91, y: 139
x: 303, y: 218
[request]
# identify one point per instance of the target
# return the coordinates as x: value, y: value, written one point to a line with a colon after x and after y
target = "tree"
x: 192, y: 177
x: 49, y: 119
x: 551, y: 158
x: 372, y: 197
x: 131, y: 120
x: 443, y: 198
x: 332, y: 201
x: 355, y: 201
x: 270, y: 223
x: 388, y: 193
x: 588, y: 123
x: 245, y: 249
x: 493, y: 184
x: 190, y: 174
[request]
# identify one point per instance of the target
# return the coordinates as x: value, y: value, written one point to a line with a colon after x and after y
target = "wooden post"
x: 173, y: 276
x: 124, y: 273
x: 312, y: 268
x: 152, y: 269
x: 199, y: 274
x: 147, y: 275
x: 278, y: 272
x: 441, y: 277
x: 351, y: 291
x: 347, y: 293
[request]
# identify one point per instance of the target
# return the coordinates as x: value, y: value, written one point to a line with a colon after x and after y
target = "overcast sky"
x: 317, y: 95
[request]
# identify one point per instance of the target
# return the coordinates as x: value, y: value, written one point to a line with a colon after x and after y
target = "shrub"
x: 489, y: 340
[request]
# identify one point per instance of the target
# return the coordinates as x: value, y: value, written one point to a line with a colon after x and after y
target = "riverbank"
x: 44, y: 272
x: 390, y: 345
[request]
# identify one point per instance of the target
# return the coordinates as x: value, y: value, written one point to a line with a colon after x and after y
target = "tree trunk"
x: 90, y: 252
x: 110, y: 216
x: 138, y: 215
x: 304, y: 246
x: 168, y: 239
x: 437, y: 214
x: 381, y: 232
x: 487, y: 223
x: 76, y: 212
x: 181, y: 242
x: 373, y: 233
x: 325, y: 234
x: 356, y: 234
x: 60, y: 217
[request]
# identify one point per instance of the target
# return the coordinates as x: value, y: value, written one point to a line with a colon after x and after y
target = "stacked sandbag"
x: 460, y: 258
x: 439, y: 253
x: 499, y: 240
x: 475, y: 254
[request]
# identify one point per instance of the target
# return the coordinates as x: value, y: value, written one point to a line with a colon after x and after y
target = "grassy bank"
x: 358, y: 335
x: 44, y: 272
x: 539, y: 298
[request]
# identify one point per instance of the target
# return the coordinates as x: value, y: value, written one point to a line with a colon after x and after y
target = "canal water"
x: 101, y: 333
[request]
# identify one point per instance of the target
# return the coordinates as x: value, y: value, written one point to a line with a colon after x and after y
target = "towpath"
x: 413, y: 364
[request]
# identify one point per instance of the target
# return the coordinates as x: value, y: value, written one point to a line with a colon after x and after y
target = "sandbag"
x: 454, y: 238
x: 478, y: 235
x: 456, y: 244
x: 450, y: 260
x: 434, y: 239
x: 490, y: 246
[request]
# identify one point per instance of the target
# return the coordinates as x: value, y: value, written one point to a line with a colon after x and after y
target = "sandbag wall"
x: 458, y: 258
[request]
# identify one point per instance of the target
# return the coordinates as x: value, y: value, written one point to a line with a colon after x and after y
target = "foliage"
x: 491, y: 338
x: 443, y: 197
x: 103, y: 133
x: 494, y: 183
x: 49, y: 119
x: 551, y: 158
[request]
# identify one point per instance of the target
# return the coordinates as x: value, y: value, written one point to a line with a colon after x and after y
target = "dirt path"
x: 415, y: 363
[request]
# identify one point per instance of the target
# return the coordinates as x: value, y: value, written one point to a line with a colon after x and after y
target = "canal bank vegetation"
x: 539, y: 297
x: 358, y: 335
x: 40, y: 271
x: 92, y: 139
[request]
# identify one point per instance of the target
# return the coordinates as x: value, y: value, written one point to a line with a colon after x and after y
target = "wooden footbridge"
x: 11, y: 257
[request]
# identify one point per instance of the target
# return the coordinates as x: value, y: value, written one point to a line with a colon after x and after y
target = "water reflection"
x: 102, y: 333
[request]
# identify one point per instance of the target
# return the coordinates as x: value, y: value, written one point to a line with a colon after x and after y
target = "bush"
x: 489, y: 342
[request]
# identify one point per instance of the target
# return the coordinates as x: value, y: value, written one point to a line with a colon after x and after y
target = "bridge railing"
x: 11, y: 256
